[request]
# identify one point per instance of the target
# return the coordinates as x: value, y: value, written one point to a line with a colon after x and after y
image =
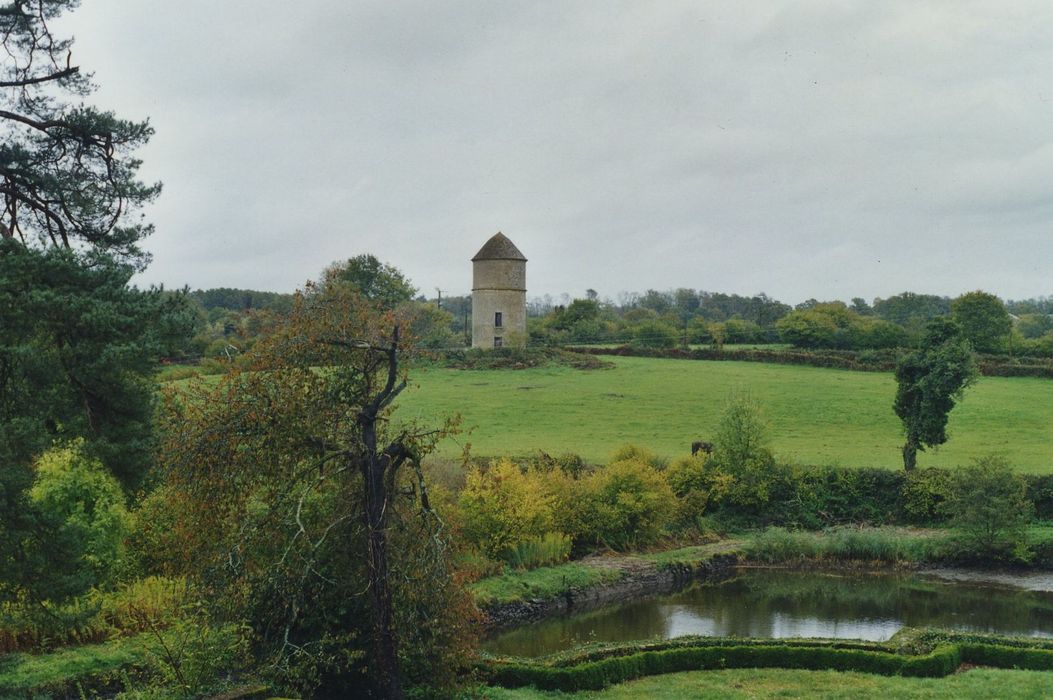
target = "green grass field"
x: 821, y: 416
x: 741, y: 684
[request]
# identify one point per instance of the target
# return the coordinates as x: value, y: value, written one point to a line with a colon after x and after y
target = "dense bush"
x: 504, y: 506
x: 924, y: 493
x: 810, y: 329
x: 635, y: 452
x: 78, y: 492
x: 987, y: 504
x: 517, y: 358
x: 834, y: 495
x: 743, y: 456
x: 1040, y: 493
x: 569, y: 463
x: 623, y: 505
x: 655, y: 334
x: 697, y: 487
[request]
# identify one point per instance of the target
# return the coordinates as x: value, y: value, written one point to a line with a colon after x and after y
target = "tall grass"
x: 777, y: 545
x: 147, y: 603
x: 550, y: 548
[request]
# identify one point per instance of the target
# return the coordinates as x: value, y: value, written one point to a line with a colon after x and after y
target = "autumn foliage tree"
x: 300, y: 497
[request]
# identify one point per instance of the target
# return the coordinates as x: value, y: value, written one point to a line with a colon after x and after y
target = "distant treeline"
x: 230, y: 320
x: 241, y: 299
x: 688, y: 317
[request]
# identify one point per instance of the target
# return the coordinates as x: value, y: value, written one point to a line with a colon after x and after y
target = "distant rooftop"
x: 499, y: 248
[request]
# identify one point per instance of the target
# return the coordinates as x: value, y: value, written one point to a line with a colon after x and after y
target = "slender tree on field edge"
x: 930, y: 381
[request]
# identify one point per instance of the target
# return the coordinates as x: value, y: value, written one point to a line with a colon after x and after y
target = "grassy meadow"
x: 819, y: 416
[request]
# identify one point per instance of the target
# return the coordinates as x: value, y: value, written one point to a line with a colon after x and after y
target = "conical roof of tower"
x: 499, y: 248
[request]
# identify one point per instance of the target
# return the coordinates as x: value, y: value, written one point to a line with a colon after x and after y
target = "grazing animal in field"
x: 700, y: 446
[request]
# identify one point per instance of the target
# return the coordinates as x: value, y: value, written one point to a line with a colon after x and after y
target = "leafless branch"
x: 65, y: 73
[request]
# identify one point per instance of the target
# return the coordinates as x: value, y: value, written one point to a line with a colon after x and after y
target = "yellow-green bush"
x: 86, y: 499
x: 924, y: 492
x: 697, y: 487
x: 642, y: 454
x: 624, y: 505
x: 504, y: 505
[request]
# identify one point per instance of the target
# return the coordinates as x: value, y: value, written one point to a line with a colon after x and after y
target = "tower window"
x: 497, y: 319
x: 497, y: 342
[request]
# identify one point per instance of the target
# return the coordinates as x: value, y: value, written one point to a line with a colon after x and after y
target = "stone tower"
x: 498, y: 294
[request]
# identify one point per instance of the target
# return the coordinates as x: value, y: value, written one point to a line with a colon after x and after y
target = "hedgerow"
x: 880, y: 360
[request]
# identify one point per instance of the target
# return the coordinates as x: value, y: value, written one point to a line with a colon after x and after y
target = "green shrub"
x: 696, y: 487
x: 622, y: 506
x: 505, y: 505
x: 569, y: 463
x: 1000, y: 656
x: 807, y: 328
x: 862, y: 495
x: 146, y: 603
x: 193, y: 655
x: 641, y: 454
x: 924, y: 493
x: 655, y: 334
x: 80, y: 493
x: 742, y: 453
x: 94, y: 617
x: 687, y: 474
x: 987, y: 504
x: 1040, y: 493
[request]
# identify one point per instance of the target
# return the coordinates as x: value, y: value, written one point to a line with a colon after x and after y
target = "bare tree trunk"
x: 378, y: 476
x: 910, y: 454
x: 384, y: 636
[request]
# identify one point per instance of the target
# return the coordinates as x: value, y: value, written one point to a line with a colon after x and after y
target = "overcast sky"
x: 803, y: 149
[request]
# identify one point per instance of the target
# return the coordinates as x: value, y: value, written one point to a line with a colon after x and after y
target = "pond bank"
x: 792, y: 603
x: 596, y: 581
x: 520, y: 597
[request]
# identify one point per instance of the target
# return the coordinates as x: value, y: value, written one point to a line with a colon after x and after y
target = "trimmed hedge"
x: 1001, y: 656
x: 594, y: 675
x: 598, y: 669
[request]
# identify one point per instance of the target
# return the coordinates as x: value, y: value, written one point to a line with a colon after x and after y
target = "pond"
x: 778, y: 603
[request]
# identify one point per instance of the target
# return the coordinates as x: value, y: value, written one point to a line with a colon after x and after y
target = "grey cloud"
x: 805, y: 149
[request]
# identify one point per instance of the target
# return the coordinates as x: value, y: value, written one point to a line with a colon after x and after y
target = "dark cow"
x: 700, y: 446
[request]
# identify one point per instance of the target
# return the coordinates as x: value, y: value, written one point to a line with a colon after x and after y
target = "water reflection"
x: 779, y: 603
